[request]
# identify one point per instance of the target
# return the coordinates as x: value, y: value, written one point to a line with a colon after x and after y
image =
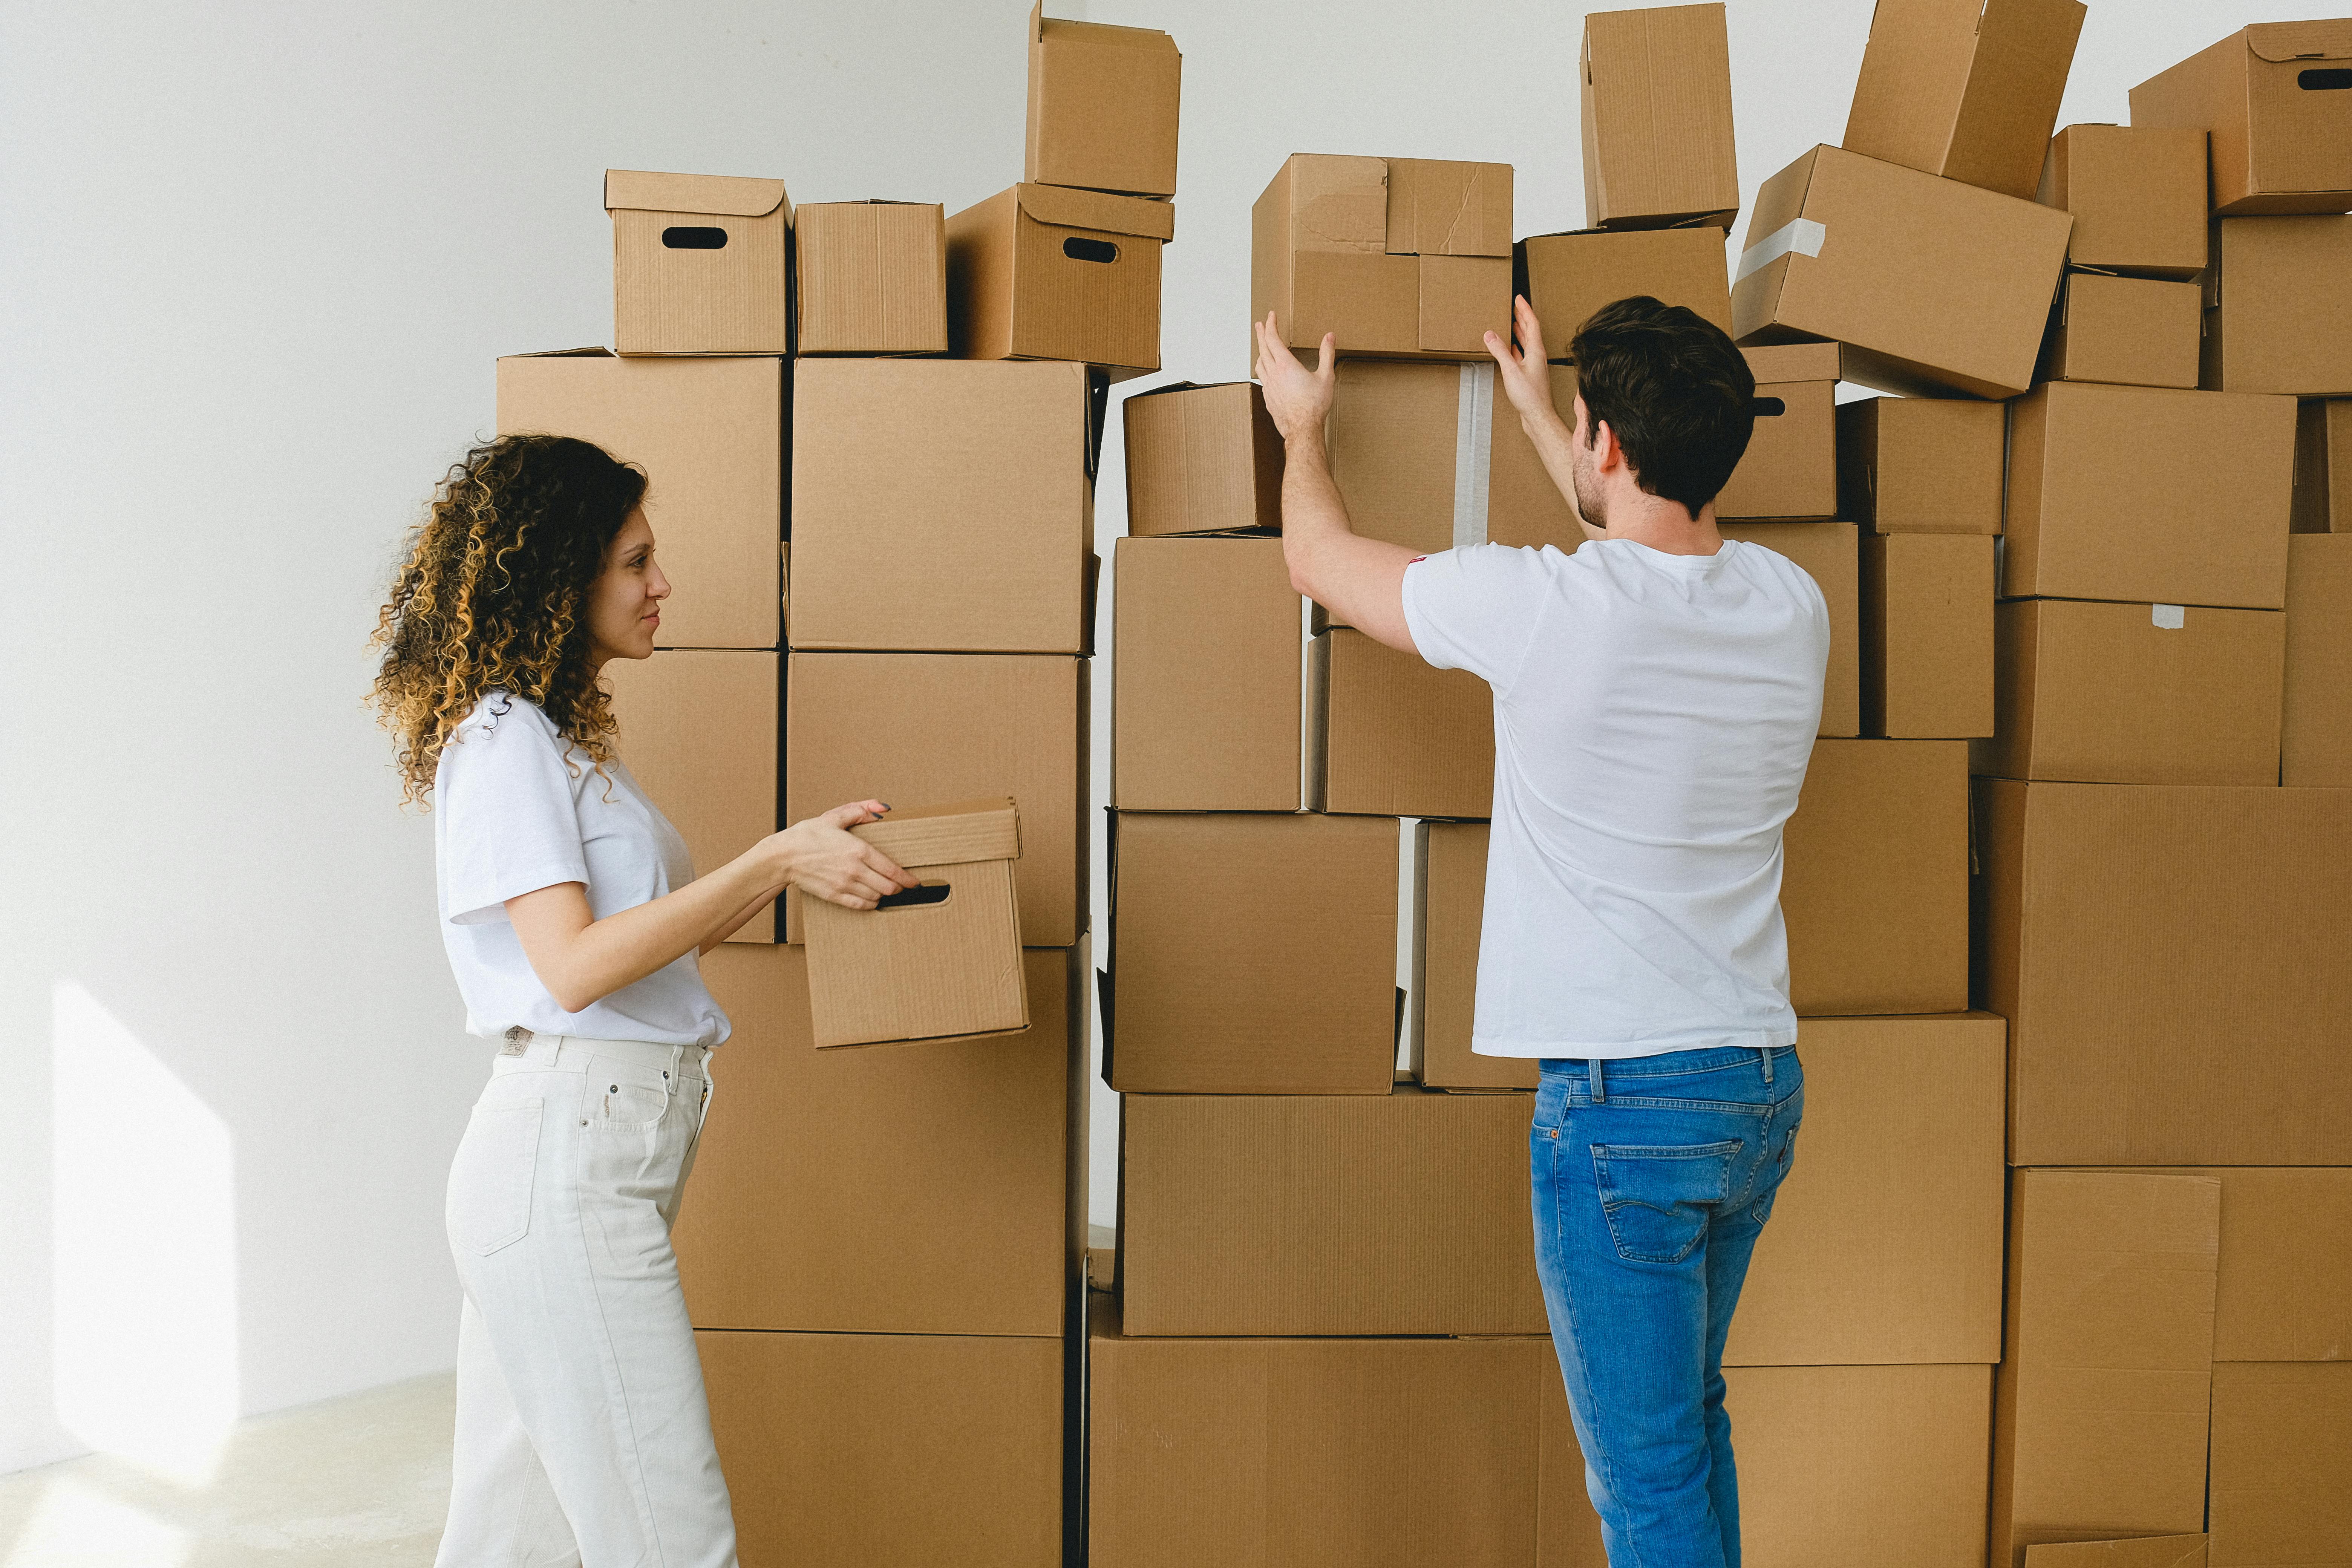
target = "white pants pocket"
x: 491, y: 1180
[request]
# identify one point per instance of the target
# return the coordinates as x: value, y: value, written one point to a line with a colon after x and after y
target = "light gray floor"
x: 358, y: 1482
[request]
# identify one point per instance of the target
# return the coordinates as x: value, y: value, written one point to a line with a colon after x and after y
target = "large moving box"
x: 870, y: 278
x: 702, y: 264
x: 1047, y: 272
x: 1964, y: 89
x: 1200, y: 459
x: 1922, y: 465
x: 1449, y: 910
x: 2322, y: 465
x: 2130, y: 331
x: 2315, y: 727
x: 2170, y: 959
x: 929, y: 1189
x: 2137, y: 195
x: 2281, y: 1487
x: 1926, y: 636
x: 1389, y: 734
x: 1102, y: 106
x: 1789, y: 473
x: 1830, y: 554
x: 2272, y: 97
x: 2278, y: 310
x: 1566, y: 276
x: 709, y: 435
x: 1656, y: 113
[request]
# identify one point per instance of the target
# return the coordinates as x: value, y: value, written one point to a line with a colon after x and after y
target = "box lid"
x: 727, y: 195
x: 1070, y: 208
x: 593, y: 352
x: 951, y: 835
x: 2278, y: 42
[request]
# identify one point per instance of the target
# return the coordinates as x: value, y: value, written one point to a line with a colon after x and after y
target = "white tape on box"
x: 2168, y: 617
x: 1802, y: 237
x: 1474, y: 446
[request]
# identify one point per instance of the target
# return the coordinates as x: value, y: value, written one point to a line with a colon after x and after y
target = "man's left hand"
x: 1297, y: 399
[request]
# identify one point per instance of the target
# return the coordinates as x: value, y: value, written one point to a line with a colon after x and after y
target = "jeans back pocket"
x: 491, y: 1180
x: 1659, y: 1199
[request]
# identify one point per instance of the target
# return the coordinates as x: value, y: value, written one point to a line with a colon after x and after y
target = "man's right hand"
x: 1526, y: 377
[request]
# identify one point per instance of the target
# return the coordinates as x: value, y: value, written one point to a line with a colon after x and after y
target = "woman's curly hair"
x: 492, y: 597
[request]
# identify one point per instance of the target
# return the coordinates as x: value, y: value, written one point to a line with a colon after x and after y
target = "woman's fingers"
x: 889, y: 870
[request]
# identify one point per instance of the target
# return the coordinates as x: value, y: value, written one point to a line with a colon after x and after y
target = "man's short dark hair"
x: 1679, y: 395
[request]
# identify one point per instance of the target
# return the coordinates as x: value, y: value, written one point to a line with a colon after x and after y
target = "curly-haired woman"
x: 572, y: 917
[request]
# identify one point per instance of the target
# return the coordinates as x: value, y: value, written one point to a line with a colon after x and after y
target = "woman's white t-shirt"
x: 516, y: 809
x: 1654, y: 715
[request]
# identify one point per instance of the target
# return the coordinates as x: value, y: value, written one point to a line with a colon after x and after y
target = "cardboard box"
x: 1326, y: 255
x: 2279, y: 306
x: 1658, y: 150
x: 1922, y: 465
x: 933, y: 1191
x: 1875, y: 888
x: 1047, y: 272
x: 2137, y: 194
x: 2099, y: 1407
x: 974, y: 539
x: 2322, y: 465
x: 2272, y: 98
x: 1566, y: 276
x: 1926, y: 636
x: 1964, y: 89
x: 911, y: 726
x: 871, y: 277
x: 2146, y: 942
x: 934, y: 961
x: 699, y: 729
x: 1252, y: 954
x: 879, y: 1449
x: 2134, y: 332
x: 2282, y: 1477
x: 1201, y: 459
x: 1789, y: 473
x: 2103, y: 693
x: 702, y: 264
x: 709, y: 435
x: 1449, y: 909
x: 1389, y: 735
x: 1102, y: 106
x: 2149, y: 496
x: 1900, y: 1115
x: 1933, y: 286
x: 2138, y: 1551
x: 2284, y: 1285
x: 1404, y: 1214
x: 2315, y: 724
x: 1205, y: 706
x: 1830, y: 554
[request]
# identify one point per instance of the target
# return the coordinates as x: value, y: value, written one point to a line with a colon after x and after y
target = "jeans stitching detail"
x: 1583, y: 1367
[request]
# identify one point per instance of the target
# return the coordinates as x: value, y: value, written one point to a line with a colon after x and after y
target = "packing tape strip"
x: 1802, y: 237
x: 1474, y: 446
x: 2168, y: 617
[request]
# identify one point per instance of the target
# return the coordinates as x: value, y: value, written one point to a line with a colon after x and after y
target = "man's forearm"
x: 1313, y: 514
x: 1554, y: 446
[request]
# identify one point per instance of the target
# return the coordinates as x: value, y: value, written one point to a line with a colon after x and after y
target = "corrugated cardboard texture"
x: 2316, y: 728
x: 2281, y: 1479
x: 709, y: 435
x: 974, y: 539
x: 1450, y: 904
x: 2137, y: 694
x: 2281, y: 320
x: 2285, y: 1283
x: 1440, y: 208
x: 1789, y: 473
x: 1922, y: 465
x: 2099, y: 1412
x: 1875, y: 888
x: 2138, y: 194
x: 1656, y: 106
x: 1205, y: 706
x: 1102, y: 106
x: 1900, y: 1115
x: 1566, y: 276
x: 1830, y: 554
x: 1326, y: 1214
x: 1390, y: 735
x: 2149, y: 496
x: 2281, y: 143
x: 1932, y: 285
x: 1040, y: 272
x: 908, y: 728
x: 2323, y: 466
x: 1201, y: 459
x: 2132, y: 331
x: 928, y: 1190
x: 699, y: 728
x: 879, y: 1450
x: 676, y: 293
x: 2143, y: 1552
x: 1926, y: 636
x: 1253, y: 955
x: 2171, y: 961
x: 1965, y: 89
x: 872, y: 278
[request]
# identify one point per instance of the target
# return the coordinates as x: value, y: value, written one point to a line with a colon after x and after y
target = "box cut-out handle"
x: 690, y: 238
x: 2335, y: 78
x: 1078, y: 249
x: 1768, y: 408
x: 915, y: 898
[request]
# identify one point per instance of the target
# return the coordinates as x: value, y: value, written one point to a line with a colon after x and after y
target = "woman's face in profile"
x: 625, y: 601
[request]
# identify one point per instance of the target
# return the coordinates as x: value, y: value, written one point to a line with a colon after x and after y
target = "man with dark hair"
x: 1656, y: 694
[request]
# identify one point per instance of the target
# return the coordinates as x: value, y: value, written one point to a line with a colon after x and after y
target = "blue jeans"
x: 1653, y: 1178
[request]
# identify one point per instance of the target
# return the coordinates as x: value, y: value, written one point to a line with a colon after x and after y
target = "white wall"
x: 259, y: 260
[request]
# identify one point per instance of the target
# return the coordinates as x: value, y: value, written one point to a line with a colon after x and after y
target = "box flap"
x: 592, y: 352
x: 2140, y: 1551
x: 1051, y: 30
x: 1099, y: 210
x: 1776, y: 363
x: 727, y: 195
x: 1339, y: 202
x: 2278, y: 42
x: 954, y: 835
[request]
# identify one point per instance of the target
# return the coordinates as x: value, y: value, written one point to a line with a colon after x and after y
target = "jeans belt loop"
x: 1767, y: 1054
x: 1593, y: 1081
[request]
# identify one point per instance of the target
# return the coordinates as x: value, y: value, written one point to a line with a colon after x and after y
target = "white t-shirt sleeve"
x: 1478, y: 608
x: 510, y: 826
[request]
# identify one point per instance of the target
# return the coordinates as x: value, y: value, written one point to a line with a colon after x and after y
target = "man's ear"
x: 1606, y: 453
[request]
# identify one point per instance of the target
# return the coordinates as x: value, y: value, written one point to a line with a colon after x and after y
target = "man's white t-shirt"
x: 516, y: 809
x: 1654, y: 715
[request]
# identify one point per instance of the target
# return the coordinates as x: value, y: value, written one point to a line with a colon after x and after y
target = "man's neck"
x: 1662, y: 525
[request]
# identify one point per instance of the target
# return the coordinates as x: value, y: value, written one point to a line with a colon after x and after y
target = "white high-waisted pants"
x: 583, y: 1439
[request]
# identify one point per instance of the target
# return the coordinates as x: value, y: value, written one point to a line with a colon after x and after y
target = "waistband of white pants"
x: 572, y: 1053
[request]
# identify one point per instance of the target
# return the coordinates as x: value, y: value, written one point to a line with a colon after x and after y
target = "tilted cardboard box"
x: 1200, y: 459
x: 2131, y: 332
x: 1926, y: 636
x: 2322, y: 465
x: 1830, y: 554
x: 2278, y: 310
x: 933, y: 961
x: 2281, y: 1484
x: 1046, y: 272
x: 1388, y: 734
x: 1965, y: 89
x: 2138, y: 194
x: 2146, y: 941
x: 709, y: 435
x: 1205, y: 708
x: 935, y: 1190
x: 871, y: 277
x: 2134, y: 1551
x: 1102, y: 106
x: 1922, y: 465
x: 1933, y: 286
x: 2272, y: 99
x: 1566, y: 276
x: 1656, y: 111
x: 1449, y: 910
x: 699, y: 728
x: 702, y: 264
x: 1789, y: 473
x: 2315, y: 725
